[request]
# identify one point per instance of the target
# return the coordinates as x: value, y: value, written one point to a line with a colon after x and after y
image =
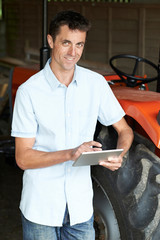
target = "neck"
x: 64, y: 76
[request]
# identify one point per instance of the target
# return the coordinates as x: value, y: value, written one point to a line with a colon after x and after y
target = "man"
x: 54, y: 120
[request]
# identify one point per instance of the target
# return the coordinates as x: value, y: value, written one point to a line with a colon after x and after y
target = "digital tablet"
x: 93, y: 158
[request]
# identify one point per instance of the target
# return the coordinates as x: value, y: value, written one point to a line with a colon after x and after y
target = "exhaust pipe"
x: 158, y: 79
x: 44, y: 51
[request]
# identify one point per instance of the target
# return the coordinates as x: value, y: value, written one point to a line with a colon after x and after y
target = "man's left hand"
x: 112, y: 163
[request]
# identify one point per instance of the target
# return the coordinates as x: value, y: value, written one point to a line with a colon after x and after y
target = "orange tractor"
x: 127, y: 201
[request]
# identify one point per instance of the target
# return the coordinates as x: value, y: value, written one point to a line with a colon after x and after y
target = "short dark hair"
x: 74, y: 20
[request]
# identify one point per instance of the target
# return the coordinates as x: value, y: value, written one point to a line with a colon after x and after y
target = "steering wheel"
x: 132, y: 80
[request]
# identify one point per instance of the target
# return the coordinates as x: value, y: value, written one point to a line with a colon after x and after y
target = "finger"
x: 109, y: 165
x: 96, y: 149
x: 94, y: 144
x: 113, y: 159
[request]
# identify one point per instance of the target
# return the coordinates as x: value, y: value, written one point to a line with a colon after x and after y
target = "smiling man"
x: 66, y: 49
x: 54, y: 120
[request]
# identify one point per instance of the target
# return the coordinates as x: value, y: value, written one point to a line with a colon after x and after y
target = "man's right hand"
x: 85, y: 147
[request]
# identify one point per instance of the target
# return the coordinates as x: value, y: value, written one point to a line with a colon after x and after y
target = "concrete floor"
x: 10, y: 191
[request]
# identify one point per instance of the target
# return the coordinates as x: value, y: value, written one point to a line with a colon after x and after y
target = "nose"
x: 72, y: 50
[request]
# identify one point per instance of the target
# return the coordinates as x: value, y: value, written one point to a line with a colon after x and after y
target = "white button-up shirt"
x: 59, y: 118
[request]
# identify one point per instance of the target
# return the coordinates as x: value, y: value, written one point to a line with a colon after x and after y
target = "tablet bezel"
x: 94, y: 157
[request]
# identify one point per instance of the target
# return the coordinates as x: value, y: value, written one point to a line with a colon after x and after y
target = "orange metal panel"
x: 20, y: 75
x: 144, y: 107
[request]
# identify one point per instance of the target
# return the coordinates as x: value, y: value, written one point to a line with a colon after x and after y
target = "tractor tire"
x: 127, y: 201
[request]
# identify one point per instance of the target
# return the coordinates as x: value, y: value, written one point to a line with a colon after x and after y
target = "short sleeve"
x: 110, y: 111
x: 24, y: 122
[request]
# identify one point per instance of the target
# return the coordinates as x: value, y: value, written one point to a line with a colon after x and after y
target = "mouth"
x: 70, y: 59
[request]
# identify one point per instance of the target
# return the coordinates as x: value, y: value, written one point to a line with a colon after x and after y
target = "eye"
x: 65, y: 43
x: 80, y: 45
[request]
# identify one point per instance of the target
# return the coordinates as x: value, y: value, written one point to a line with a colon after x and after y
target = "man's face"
x: 67, y: 48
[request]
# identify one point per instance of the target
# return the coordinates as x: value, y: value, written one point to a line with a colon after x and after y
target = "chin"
x: 68, y: 68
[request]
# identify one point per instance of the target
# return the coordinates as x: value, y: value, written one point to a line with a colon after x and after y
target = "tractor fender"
x: 143, y: 107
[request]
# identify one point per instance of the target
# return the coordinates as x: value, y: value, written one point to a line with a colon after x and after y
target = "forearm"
x: 31, y: 159
x: 125, y: 139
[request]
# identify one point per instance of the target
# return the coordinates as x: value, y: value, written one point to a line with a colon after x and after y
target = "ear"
x: 50, y: 40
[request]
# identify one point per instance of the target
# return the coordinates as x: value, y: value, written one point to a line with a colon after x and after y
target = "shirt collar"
x: 51, y: 78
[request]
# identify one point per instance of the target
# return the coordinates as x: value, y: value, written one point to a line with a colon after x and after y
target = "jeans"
x: 82, y: 231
